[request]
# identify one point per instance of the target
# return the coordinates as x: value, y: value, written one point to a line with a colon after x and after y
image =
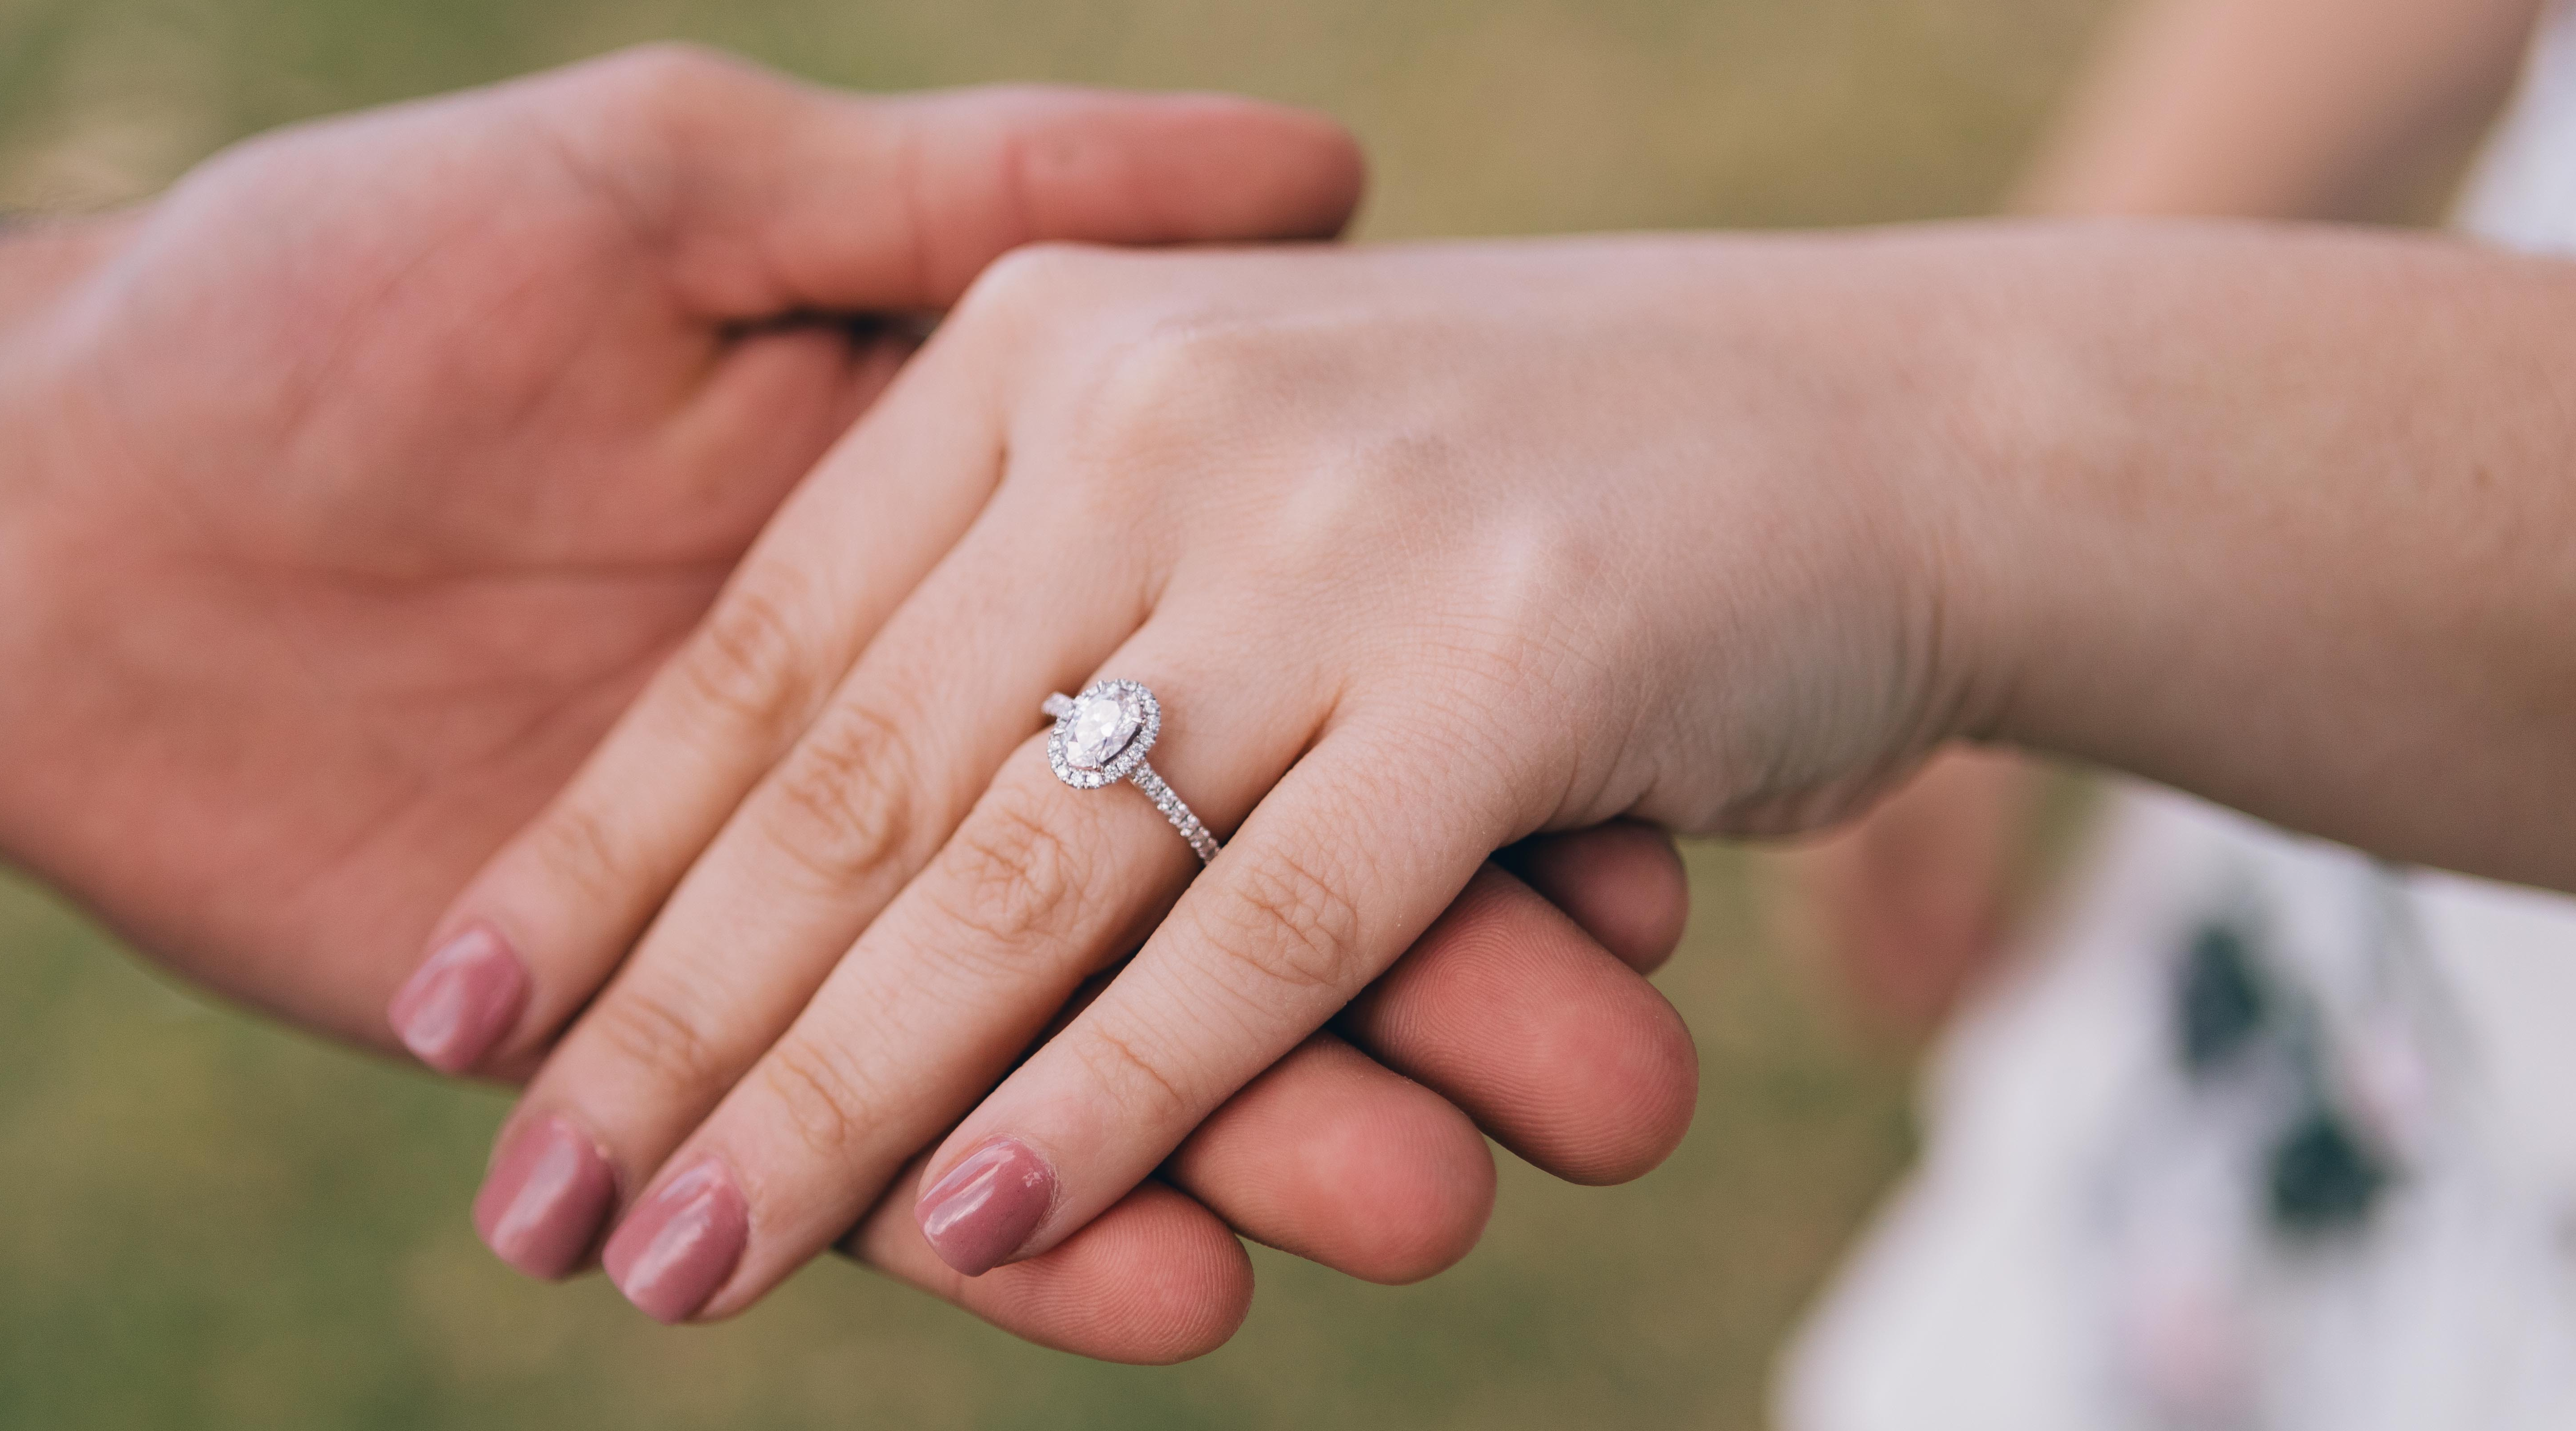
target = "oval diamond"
x: 1100, y: 727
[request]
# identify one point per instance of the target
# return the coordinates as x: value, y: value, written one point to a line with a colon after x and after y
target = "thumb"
x: 770, y: 196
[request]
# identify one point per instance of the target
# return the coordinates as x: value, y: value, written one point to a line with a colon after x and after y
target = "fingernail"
x: 680, y: 1244
x: 544, y: 1199
x: 987, y: 1206
x: 459, y: 1003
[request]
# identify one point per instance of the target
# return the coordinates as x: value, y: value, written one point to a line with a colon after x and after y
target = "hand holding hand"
x: 382, y: 459
x: 357, y: 483
x: 1421, y: 551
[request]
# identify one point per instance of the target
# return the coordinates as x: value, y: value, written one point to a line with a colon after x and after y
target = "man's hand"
x: 381, y: 460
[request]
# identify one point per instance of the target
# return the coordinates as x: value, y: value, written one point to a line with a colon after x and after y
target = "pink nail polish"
x: 679, y: 1245
x: 987, y: 1206
x: 542, y: 1203
x: 460, y: 1001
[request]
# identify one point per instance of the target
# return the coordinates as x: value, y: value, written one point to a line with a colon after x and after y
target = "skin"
x: 2292, y: 109
x: 2284, y: 109
x: 355, y: 485
x: 1724, y: 534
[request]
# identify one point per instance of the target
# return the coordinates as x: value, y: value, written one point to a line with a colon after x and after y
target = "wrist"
x: 2026, y: 372
x: 1962, y: 404
x: 2272, y: 515
x: 1872, y: 388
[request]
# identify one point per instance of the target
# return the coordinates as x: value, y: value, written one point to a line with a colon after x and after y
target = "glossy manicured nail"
x: 987, y: 1206
x: 460, y: 1001
x: 544, y: 1199
x: 680, y: 1244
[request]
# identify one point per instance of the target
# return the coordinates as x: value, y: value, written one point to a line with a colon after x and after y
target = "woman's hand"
x: 1506, y: 1015
x: 1422, y: 552
x: 347, y: 493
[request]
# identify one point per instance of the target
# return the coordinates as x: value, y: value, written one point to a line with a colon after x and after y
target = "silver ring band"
x: 1101, y: 737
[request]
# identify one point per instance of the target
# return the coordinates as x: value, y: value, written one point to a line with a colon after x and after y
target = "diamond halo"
x: 1101, y: 737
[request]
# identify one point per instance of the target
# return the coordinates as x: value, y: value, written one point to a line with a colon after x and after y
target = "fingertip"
x: 1165, y: 1282
x: 1334, y: 166
x: 1645, y: 1073
x: 545, y: 1197
x: 1408, y: 1192
x: 1623, y: 882
x: 1603, y: 1076
x: 462, y: 1001
x: 1154, y: 1280
x: 980, y: 1212
x: 1147, y: 168
x: 1338, y: 1160
x: 1562, y: 1053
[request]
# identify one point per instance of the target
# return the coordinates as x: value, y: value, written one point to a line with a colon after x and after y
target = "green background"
x: 207, y: 1223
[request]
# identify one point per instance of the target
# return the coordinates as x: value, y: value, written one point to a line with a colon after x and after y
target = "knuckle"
x: 1131, y: 1071
x: 577, y: 844
x: 1010, y: 877
x: 1160, y: 381
x: 261, y: 167
x: 629, y: 126
x: 822, y: 1095
x: 664, y: 76
x: 747, y: 666
x: 1188, y: 394
x: 1283, y: 923
x: 1369, y: 485
x: 647, y: 1027
x: 844, y: 802
x: 640, y: 127
x: 1025, y: 286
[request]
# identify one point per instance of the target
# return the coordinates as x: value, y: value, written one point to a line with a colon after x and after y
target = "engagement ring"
x: 1101, y: 736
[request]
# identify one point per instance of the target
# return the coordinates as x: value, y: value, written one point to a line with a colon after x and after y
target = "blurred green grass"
x: 208, y: 1223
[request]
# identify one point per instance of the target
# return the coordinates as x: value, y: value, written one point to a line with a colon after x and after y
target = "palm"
x: 466, y: 473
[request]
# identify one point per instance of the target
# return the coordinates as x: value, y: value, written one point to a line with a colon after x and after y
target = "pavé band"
x: 1101, y: 737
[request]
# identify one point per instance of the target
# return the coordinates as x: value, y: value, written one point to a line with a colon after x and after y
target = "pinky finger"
x: 1154, y: 1280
